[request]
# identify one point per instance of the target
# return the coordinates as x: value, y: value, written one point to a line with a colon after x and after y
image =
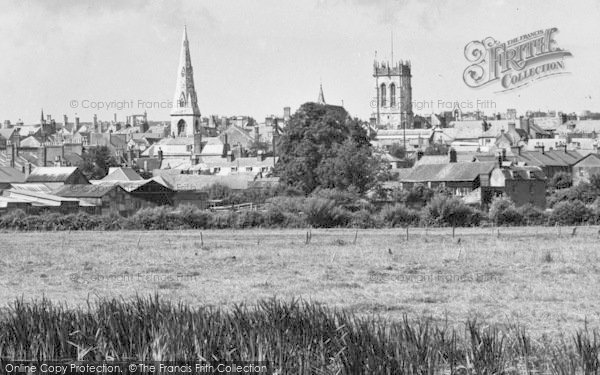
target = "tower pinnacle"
x: 321, y: 99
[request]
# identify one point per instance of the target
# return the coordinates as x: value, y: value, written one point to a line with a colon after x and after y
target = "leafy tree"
x: 96, y: 162
x: 561, y: 180
x: 257, y: 145
x: 397, y: 150
x: 323, y: 146
x: 437, y: 149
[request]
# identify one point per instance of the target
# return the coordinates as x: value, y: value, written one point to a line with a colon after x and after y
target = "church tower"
x: 185, y: 115
x: 394, y: 95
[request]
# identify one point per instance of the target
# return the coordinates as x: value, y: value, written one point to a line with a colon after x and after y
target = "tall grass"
x: 294, y: 336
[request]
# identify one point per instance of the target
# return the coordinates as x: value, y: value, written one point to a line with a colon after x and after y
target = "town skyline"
x: 274, y: 66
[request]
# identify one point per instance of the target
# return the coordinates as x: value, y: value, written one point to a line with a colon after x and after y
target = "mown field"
x: 543, y: 279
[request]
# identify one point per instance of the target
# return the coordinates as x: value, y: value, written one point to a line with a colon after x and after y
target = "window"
x: 248, y: 169
x: 216, y: 170
x: 392, y: 95
x: 382, y: 92
x: 581, y: 172
x: 234, y: 169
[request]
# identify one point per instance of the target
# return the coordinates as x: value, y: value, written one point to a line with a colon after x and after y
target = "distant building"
x: 393, y: 101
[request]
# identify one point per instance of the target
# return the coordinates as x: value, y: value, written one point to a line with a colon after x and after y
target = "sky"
x: 256, y: 57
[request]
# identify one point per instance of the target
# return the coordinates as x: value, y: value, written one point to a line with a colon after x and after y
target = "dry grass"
x: 525, y: 276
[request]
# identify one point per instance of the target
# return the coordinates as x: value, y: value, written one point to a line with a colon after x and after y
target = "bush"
x: 450, y: 211
x: 249, y: 219
x: 324, y: 213
x: 504, y: 212
x: 533, y: 215
x: 570, y: 213
x: 365, y: 219
x: 399, y: 215
x: 560, y: 180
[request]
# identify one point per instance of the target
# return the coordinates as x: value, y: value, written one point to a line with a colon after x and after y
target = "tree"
x: 561, y: 180
x: 96, y: 162
x: 397, y: 150
x: 323, y: 146
x: 257, y: 145
x: 437, y: 149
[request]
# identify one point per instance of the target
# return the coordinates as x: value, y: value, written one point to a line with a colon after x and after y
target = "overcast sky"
x: 255, y: 57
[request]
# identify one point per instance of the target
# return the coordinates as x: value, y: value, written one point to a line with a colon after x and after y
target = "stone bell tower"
x: 393, y: 91
x: 185, y: 115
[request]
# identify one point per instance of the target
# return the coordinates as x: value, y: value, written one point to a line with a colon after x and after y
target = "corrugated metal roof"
x: 85, y: 191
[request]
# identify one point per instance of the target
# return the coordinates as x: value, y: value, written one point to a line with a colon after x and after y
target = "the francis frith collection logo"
x: 515, y: 63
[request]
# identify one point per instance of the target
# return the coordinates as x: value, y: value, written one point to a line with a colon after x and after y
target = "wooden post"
x: 453, y: 229
x: 407, y: 232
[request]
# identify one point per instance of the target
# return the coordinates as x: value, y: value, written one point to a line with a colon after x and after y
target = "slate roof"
x: 449, y: 172
x: 51, y: 174
x: 8, y: 174
x: 551, y: 158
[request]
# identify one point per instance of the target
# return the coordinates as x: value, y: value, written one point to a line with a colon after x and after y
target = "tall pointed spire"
x: 321, y: 99
x: 185, y: 115
x: 42, y: 118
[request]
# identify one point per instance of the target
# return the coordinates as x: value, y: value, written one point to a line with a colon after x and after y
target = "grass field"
x: 543, y: 279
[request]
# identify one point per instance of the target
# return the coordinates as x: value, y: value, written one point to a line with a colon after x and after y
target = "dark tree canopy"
x: 96, y: 162
x: 322, y: 146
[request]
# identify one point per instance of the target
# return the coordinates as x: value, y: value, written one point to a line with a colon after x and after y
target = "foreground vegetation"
x: 294, y: 337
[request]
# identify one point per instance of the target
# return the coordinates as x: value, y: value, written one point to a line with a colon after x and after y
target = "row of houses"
x: 122, y: 191
x: 478, y: 178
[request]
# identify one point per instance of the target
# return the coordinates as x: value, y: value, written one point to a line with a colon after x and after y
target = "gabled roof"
x: 7, y: 133
x: 30, y: 141
x: 133, y: 186
x: 550, y: 158
x: 51, y: 174
x: 449, y: 172
x: 122, y: 174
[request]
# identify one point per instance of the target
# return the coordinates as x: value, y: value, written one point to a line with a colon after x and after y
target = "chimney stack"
x: 65, y: 121
x: 512, y: 127
x: 13, y: 154
x: 76, y: 124
x: 230, y: 156
x: 95, y: 123
x: 453, y: 157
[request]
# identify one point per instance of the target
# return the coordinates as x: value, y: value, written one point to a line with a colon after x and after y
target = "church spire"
x: 321, y: 99
x: 42, y: 118
x: 185, y: 115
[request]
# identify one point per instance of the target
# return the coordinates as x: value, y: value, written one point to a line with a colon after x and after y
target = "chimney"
x: 512, y: 127
x: 197, y: 143
x: 76, y: 124
x: 256, y: 134
x: 44, y: 156
x: 524, y: 124
x: 95, y: 123
x: 540, y: 147
x: 452, y: 154
x: 65, y: 121
x: 287, y: 113
x: 230, y: 156
x: 160, y: 154
x: 48, y: 118
x: 13, y: 154
x: 260, y: 155
x: 115, y: 118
